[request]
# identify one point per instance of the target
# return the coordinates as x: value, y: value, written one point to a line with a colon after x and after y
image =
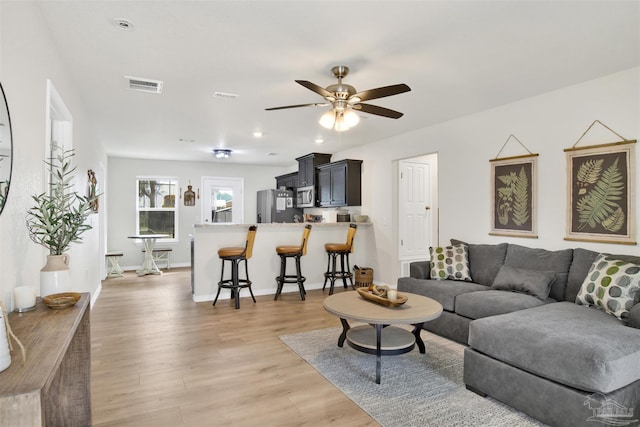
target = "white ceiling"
x: 459, y: 57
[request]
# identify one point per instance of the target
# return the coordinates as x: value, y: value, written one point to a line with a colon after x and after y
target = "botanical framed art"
x: 513, y: 192
x: 600, y: 191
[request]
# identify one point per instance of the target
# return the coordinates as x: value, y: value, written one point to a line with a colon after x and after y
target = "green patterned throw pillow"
x: 611, y: 285
x: 450, y: 262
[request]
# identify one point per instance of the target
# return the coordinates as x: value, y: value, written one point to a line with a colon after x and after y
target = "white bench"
x: 161, y: 255
x: 113, y: 269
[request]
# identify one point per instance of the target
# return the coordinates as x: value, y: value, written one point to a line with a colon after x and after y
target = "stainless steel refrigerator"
x: 277, y: 206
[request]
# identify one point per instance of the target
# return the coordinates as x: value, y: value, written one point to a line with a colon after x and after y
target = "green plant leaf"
x: 59, y: 218
x: 589, y: 171
x: 520, y: 199
x: 600, y: 202
x: 615, y: 221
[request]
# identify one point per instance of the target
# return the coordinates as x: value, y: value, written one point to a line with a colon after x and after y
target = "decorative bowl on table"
x: 63, y: 300
x: 369, y: 295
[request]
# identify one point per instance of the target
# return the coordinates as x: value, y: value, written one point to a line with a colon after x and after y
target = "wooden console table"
x: 53, y: 387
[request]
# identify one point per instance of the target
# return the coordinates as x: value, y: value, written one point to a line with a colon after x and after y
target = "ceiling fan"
x: 345, y: 101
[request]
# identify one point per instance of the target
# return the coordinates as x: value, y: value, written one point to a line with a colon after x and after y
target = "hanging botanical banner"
x: 600, y: 193
x: 513, y: 182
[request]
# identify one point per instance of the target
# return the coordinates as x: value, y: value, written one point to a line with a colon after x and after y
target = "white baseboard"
x: 288, y: 288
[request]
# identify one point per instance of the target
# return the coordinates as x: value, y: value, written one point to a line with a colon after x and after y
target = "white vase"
x: 54, y: 276
x: 5, y: 355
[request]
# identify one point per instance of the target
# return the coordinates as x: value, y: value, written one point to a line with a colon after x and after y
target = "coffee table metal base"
x: 370, y: 339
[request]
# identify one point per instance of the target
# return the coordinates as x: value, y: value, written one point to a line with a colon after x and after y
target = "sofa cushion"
x: 476, y: 305
x: 450, y: 262
x: 420, y: 269
x: 532, y: 282
x: 484, y: 261
x: 582, y: 261
x: 634, y: 316
x: 578, y: 346
x: 611, y: 285
x: 544, y: 260
x: 443, y: 291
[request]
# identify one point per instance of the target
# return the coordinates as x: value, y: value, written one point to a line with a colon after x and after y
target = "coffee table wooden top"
x: 350, y: 305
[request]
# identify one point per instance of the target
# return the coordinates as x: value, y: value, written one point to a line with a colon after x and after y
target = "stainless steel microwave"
x: 306, y: 197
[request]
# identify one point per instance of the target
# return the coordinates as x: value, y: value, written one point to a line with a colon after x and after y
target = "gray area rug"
x: 416, y: 389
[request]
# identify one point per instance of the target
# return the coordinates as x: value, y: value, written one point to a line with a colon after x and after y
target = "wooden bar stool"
x: 342, y: 249
x: 295, y: 252
x: 114, y: 269
x: 234, y: 255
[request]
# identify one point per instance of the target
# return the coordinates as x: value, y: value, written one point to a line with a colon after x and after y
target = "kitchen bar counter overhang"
x: 264, y: 265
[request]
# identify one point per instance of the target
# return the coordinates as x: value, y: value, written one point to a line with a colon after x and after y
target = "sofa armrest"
x: 420, y: 270
x: 634, y: 316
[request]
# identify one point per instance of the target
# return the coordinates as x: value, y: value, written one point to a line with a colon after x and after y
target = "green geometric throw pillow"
x: 450, y: 262
x: 611, y: 285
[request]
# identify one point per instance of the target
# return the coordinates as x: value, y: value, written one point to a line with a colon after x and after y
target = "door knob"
x: 426, y: 208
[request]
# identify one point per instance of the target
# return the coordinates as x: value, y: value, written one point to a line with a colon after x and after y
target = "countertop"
x: 282, y: 224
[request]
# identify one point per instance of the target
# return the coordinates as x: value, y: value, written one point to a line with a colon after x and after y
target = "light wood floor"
x: 159, y: 359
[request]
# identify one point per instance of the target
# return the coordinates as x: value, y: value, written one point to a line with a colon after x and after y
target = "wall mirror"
x: 6, y: 150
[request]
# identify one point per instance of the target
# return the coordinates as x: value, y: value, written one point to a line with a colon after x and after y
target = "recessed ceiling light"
x: 123, y: 24
x: 222, y: 153
x: 318, y: 140
x: 257, y: 134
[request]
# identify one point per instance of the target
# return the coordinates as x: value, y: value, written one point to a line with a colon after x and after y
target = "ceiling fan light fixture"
x: 328, y: 119
x: 351, y: 118
x: 221, y: 153
x: 341, y: 124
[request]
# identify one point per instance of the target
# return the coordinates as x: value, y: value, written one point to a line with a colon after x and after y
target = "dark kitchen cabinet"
x: 339, y: 183
x: 307, y: 167
x: 290, y: 181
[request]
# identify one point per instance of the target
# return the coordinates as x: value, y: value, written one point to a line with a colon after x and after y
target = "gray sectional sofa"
x: 563, y: 363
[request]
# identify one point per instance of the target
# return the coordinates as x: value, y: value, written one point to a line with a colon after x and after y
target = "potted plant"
x: 58, y: 219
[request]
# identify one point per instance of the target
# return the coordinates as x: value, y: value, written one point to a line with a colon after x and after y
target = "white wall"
x: 123, y: 195
x: 546, y: 124
x: 28, y: 59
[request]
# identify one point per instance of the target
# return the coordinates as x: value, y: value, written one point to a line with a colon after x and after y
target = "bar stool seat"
x: 235, y: 255
x: 343, y: 250
x: 296, y: 252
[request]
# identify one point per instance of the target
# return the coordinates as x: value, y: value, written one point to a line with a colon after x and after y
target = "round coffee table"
x: 378, y: 337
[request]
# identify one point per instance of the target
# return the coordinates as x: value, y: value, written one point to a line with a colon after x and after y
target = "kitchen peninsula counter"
x: 264, y: 265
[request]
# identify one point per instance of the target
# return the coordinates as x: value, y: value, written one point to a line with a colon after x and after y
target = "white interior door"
x: 417, y: 227
x: 222, y: 200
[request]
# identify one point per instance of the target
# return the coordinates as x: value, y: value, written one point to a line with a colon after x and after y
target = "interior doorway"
x: 222, y: 200
x: 417, y: 208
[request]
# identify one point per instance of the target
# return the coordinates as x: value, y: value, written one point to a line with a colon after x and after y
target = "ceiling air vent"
x: 225, y: 95
x: 144, y: 85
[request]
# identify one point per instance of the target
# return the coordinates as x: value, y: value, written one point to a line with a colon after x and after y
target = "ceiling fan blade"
x: 379, y: 111
x: 381, y: 92
x: 317, y: 89
x: 315, y: 104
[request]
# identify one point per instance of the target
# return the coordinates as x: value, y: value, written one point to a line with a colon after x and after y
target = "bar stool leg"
x: 219, y: 283
x: 326, y: 275
x: 342, y: 272
x: 280, y: 278
x: 246, y: 272
x: 234, y: 282
x: 334, y: 261
x: 350, y: 275
x: 300, y: 282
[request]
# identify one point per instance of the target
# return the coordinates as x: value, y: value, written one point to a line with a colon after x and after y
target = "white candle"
x: 24, y: 297
x: 392, y: 294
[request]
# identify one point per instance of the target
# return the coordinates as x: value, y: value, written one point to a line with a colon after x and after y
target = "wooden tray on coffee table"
x: 368, y: 295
